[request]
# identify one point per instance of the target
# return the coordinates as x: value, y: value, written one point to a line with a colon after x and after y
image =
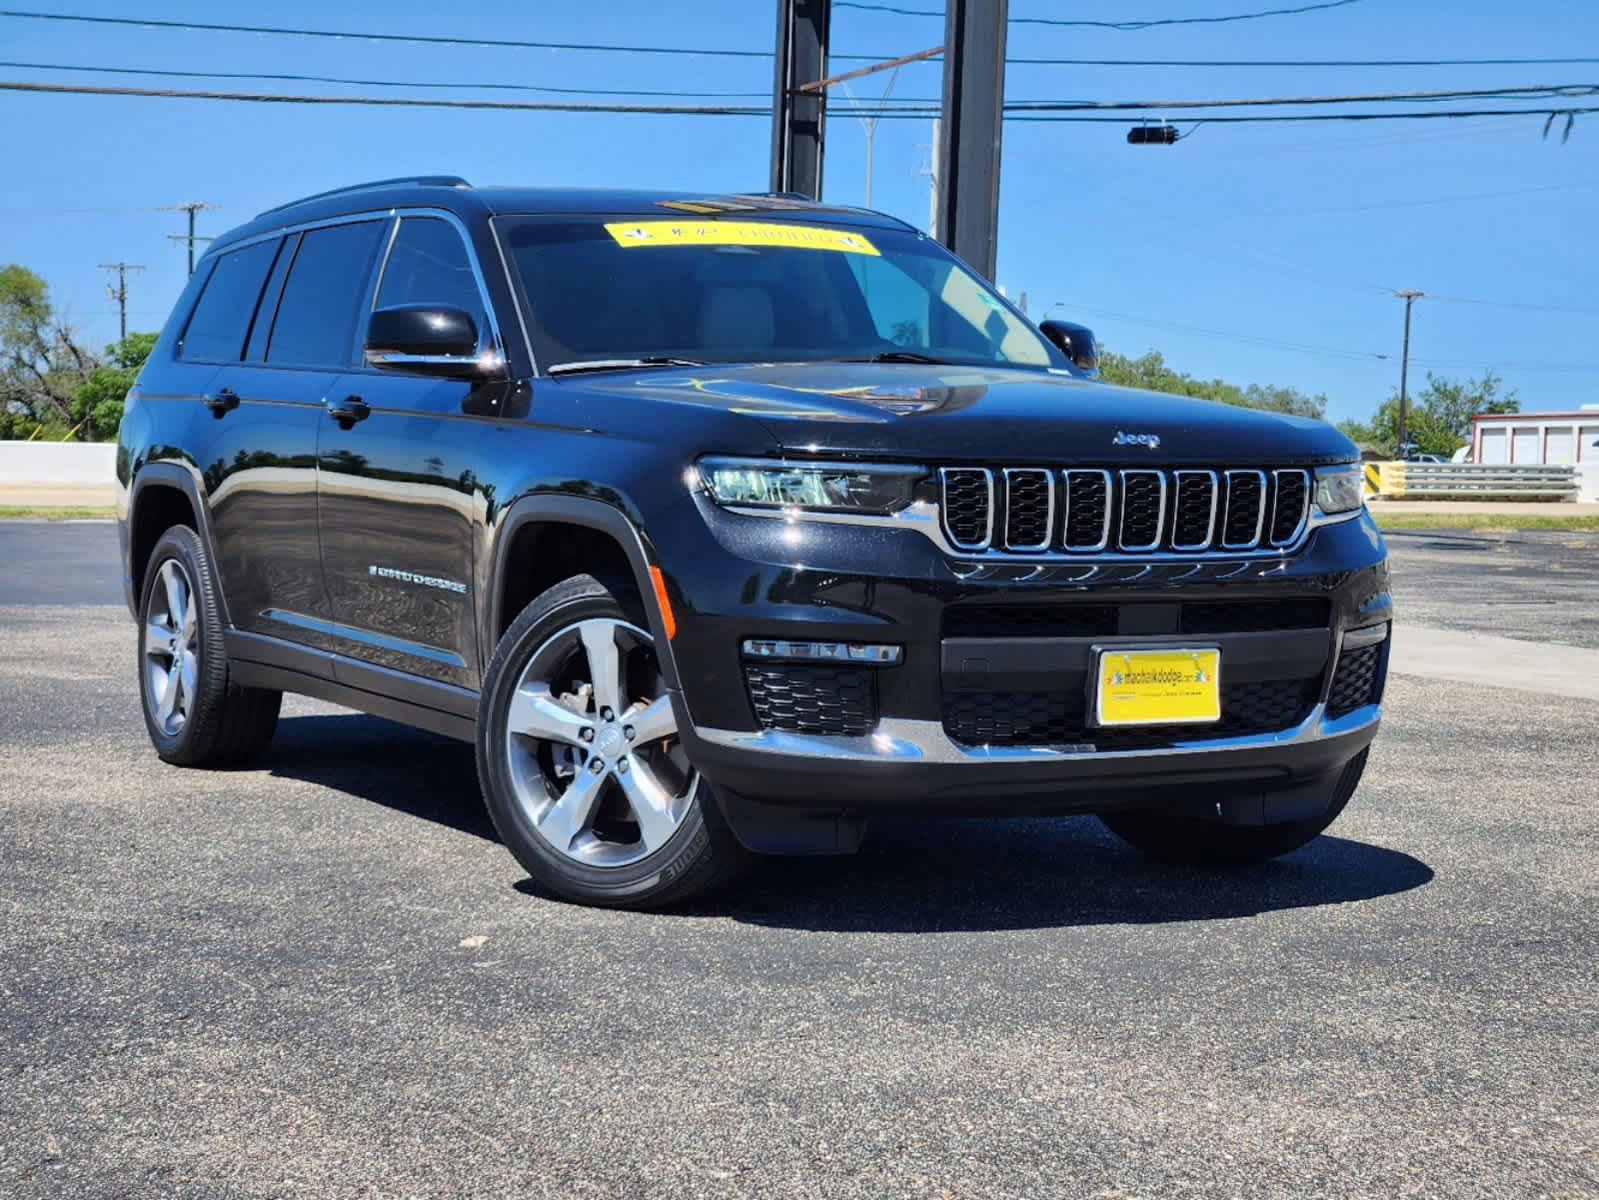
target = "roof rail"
x: 413, y: 180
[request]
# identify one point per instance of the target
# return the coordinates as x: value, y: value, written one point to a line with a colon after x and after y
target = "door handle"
x: 221, y: 402
x: 349, y: 410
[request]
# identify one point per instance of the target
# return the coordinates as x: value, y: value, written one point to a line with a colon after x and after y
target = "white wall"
x: 58, y: 462
x: 1588, y: 483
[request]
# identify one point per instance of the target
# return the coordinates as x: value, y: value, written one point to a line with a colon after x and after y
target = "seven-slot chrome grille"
x: 1132, y: 510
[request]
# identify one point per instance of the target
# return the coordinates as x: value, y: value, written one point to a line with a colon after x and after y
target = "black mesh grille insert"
x: 1355, y: 681
x: 805, y: 698
x: 1143, y: 495
x: 1253, y: 616
x: 1292, y: 491
x: 1243, y: 519
x: 1027, y: 510
x: 1052, y: 718
x: 966, y: 506
x: 1192, y: 510
x: 1087, y: 499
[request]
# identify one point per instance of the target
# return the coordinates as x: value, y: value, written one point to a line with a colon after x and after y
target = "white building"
x: 1541, y: 438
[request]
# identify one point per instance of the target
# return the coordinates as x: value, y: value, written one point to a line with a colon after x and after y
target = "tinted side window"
x: 315, y: 325
x: 221, y: 319
x: 429, y: 265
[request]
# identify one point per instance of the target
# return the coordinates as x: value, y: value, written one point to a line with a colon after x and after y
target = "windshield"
x: 615, y: 290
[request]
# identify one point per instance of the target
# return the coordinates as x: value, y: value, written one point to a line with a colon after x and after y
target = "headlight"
x: 762, y: 483
x: 1338, y: 489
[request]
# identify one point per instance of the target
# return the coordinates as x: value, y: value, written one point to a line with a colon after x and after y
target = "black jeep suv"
x: 723, y: 523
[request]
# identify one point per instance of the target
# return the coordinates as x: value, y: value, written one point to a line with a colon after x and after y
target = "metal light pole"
x: 1409, y: 297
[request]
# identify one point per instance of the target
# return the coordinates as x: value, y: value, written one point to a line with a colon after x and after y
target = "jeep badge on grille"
x: 1152, y: 440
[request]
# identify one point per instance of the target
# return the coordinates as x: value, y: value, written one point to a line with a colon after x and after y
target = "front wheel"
x: 1207, y: 841
x: 580, y: 761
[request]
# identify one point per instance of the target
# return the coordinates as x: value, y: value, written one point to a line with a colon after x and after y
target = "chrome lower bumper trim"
x: 898, y: 740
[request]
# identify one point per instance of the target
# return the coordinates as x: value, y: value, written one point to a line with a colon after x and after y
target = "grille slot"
x: 1143, y: 509
x: 1289, y: 508
x: 968, y: 506
x: 1194, y: 510
x: 1135, y: 510
x: 1029, y: 508
x: 1244, y: 516
x: 1029, y: 620
x: 804, y: 698
x: 1087, y: 509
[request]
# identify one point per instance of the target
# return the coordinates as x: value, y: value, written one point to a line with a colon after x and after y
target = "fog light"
x: 854, y: 652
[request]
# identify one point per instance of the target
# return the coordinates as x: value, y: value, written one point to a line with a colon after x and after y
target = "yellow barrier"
x: 1385, y: 479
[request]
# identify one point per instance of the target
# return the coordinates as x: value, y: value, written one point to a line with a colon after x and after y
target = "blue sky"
x: 1215, y: 251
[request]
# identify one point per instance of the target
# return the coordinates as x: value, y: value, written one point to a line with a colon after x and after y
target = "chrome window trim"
x: 1049, y: 508
x: 1177, y: 495
x: 1304, y: 510
x: 1160, y: 511
x: 899, y: 740
x: 943, y: 490
x: 393, y: 215
x: 1110, y: 504
x: 1260, y: 510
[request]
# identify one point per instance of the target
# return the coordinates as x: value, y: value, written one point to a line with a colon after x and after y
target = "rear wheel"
x: 196, y: 717
x: 1208, y: 841
x: 581, y: 765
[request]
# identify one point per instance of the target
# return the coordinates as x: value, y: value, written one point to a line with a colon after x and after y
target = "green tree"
x: 41, y: 361
x: 97, y: 401
x: 1150, y: 372
x: 1439, y: 420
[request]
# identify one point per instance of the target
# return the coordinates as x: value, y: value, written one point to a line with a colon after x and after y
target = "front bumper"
x: 736, y: 577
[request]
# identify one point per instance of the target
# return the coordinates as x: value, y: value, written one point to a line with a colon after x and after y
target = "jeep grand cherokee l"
x: 722, y: 523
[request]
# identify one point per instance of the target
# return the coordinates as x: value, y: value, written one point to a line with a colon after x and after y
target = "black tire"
x: 1207, y: 841
x: 213, y: 722
x: 700, y: 856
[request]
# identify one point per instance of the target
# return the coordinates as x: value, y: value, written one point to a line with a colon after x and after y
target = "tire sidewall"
x: 183, y: 545
x: 564, y: 605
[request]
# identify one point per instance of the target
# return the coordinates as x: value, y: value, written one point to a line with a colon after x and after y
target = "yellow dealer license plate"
x: 1158, y: 687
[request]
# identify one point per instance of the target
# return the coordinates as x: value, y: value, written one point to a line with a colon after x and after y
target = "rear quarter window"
x: 222, y: 317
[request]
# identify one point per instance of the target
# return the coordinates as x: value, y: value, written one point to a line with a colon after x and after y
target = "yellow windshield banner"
x: 737, y: 233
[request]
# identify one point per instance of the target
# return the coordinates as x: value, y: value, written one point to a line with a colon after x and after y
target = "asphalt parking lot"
x: 323, y: 977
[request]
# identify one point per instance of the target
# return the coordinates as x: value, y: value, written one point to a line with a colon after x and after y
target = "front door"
x: 398, y: 484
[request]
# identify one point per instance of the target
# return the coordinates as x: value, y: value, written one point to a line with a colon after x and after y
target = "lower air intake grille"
x: 802, y: 698
x: 1355, y: 681
x: 1056, y: 718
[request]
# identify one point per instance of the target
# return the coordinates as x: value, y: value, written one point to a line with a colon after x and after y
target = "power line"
x: 889, y: 113
x: 1294, y: 63
x: 1256, y: 339
x: 1539, y: 91
x: 1122, y: 26
x: 290, y: 77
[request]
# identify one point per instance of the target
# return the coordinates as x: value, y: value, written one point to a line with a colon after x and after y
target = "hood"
x: 918, y: 412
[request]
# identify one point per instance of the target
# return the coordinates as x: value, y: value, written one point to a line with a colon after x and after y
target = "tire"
x: 586, y: 780
x: 1207, y: 841
x: 195, y: 716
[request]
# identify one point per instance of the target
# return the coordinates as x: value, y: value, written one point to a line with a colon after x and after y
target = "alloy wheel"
x: 171, y: 637
x: 592, y: 745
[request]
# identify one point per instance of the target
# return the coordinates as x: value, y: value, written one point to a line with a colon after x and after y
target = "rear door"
x: 300, y: 344
x: 399, y: 485
x: 254, y: 443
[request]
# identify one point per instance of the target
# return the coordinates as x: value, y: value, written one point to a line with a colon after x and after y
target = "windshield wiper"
x: 892, y: 356
x: 619, y: 364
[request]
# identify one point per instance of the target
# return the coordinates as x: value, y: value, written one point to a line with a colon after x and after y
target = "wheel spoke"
x: 188, y: 673
x: 569, y: 816
x: 157, y: 640
x: 535, y: 712
x: 168, y: 700
x: 650, y: 802
x: 654, y: 721
x: 191, y: 619
x: 605, y: 663
x: 177, y: 594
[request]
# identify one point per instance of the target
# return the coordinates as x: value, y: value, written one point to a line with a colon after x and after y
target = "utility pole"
x: 120, y: 292
x: 968, y: 146
x: 192, y: 207
x: 1409, y: 297
x: 929, y: 169
x: 799, y: 113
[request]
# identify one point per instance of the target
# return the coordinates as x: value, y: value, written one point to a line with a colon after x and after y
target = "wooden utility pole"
x: 1409, y: 297
x: 119, y: 293
x: 192, y: 207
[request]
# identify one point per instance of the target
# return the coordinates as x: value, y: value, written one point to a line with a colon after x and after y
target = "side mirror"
x: 1076, y: 342
x: 428, y: 339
